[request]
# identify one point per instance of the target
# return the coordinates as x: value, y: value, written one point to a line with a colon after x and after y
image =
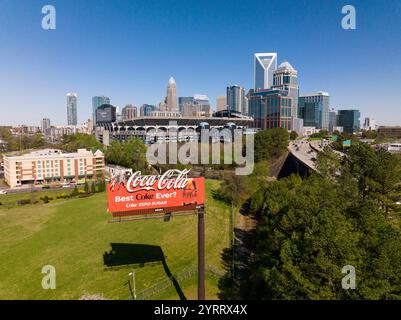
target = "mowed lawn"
x: 73, y: 235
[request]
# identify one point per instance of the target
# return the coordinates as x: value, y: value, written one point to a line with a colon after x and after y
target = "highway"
x: 302, y: 150
x: 307, y: 152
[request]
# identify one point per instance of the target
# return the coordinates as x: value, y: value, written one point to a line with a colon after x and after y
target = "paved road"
x: 30, y: 189
x: 307, y: 151
x: 317, y: 146
x: 302, y: 150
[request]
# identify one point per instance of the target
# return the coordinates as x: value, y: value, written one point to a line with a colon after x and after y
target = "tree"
x: 129, y: 154
x: 293, y: 135
x: 93, y: 187
x: 86, y: 188
x: 308, y: 230
x: 72, y: 142
x: 328, y: 163
x: 100, y: 186
x: 237, y: 189
x: 75, y: 192
x: 270, y: 143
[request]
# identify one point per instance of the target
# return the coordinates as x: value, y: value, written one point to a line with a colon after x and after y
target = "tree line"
x: 308, y: 230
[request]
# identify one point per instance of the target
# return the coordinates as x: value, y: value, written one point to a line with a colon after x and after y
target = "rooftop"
x: 56, y: 153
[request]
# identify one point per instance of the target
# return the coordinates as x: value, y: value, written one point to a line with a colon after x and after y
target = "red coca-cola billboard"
x: 143, y: 194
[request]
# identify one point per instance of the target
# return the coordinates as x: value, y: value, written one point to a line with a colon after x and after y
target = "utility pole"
x: 201, y: 253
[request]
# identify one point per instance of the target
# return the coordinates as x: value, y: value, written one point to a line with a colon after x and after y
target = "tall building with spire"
x: 171, y: 99
x: 264, y: 66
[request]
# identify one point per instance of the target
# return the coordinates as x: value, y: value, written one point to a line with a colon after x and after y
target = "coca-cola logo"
x: 171, y: 179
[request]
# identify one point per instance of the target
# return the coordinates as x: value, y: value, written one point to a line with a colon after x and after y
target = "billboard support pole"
x: 201, y: 253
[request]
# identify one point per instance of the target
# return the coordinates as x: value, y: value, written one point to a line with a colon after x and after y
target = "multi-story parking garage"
x: 158, y: 128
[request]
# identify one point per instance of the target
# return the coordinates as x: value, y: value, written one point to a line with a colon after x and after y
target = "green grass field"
x: 73, y: 236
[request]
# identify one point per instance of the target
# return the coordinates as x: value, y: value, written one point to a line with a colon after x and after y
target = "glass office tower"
x: 72, y: 109
x: 97, y: 102
x: 236, y: 100
x: 271, y: 109
x: 350, y: 120
x: 314, y: 110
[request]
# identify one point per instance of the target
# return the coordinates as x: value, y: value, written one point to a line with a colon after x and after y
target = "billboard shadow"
x: 138, y: 255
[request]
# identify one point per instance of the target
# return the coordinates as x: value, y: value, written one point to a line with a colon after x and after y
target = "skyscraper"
x: 236, y: 99
x: 285, y: 77
x: 314, y: 109
x: 171, y: 99
x: 196, y: 106
x: 129, y: 112
x: 221, y: 103
x: 271, y: 109
x: 202, y: 104
x: 97, y: 101
x: 369, y: 124
x: 264, y: 66
x: 146, y: 109
x: 350, y: 120
x: 45, y: 125
x: 332, y: 120
x: 72, y: 109
x: 184, y: 104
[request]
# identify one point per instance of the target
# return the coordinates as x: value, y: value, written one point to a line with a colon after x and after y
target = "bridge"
x: 302, y: 157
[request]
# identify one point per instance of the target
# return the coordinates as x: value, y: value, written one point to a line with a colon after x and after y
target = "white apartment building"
x: 53, y: 165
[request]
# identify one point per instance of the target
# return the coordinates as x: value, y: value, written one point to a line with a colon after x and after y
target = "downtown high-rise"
x: 271, y: 108
x: 72, y: 109
x: 264, y: 66
x: 97, y: 101
x: 349, y: 120
x: 236, y: 99
x: 285, y: 77
x: 129, y: 112
x: 171, y: 98
x: 314, y: 109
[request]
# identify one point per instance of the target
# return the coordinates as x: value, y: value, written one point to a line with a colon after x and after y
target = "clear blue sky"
x: 127, y: 50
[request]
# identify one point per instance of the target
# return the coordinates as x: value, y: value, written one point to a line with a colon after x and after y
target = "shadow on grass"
x: 128, y: 254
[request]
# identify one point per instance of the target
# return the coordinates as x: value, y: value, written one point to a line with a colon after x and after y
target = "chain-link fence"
x: 165, y: 284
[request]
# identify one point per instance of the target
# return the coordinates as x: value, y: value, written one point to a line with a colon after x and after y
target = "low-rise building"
x: 48, y: 165
x: 390, y: 131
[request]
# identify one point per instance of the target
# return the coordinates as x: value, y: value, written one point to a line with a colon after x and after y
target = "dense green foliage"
x: 341, y: 137
x: 15, y: 143
x: 370, y: 134
x: 309, y: 230
x: 236, y: 189
x: 129, y: 154
x: 270, y: 143
x: 293, y: 135
x: 321, y: 134
x: 73, y: 142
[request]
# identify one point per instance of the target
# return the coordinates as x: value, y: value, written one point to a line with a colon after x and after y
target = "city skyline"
x: 137, y: 64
